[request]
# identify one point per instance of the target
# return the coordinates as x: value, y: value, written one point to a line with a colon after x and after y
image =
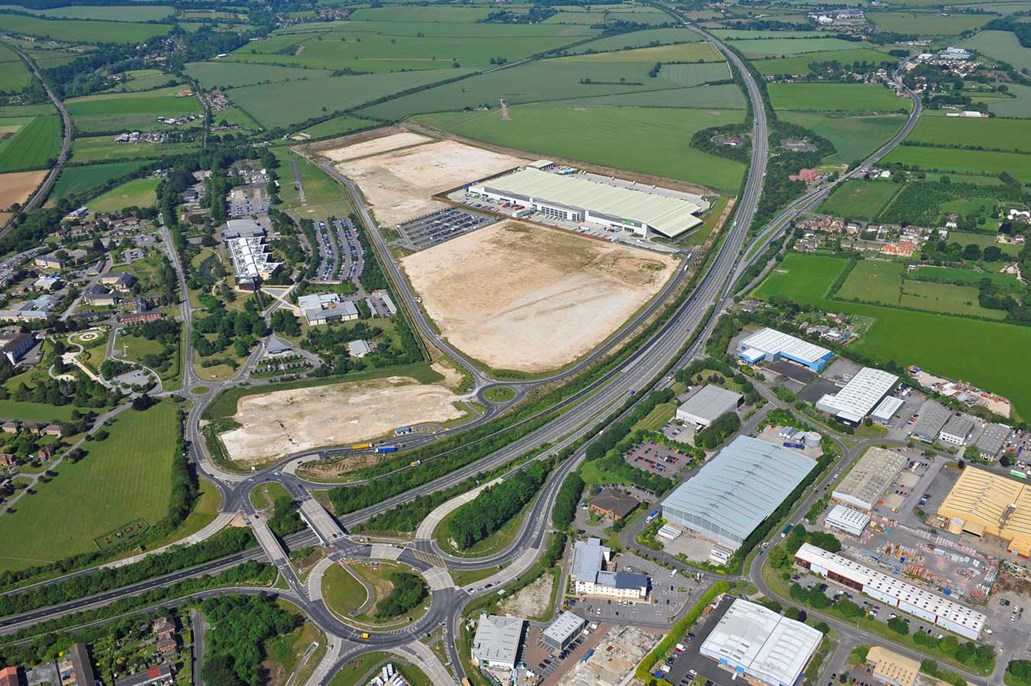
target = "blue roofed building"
x: 770, y: 345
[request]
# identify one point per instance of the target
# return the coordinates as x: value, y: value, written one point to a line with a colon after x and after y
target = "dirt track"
x: 282, y: 422
x: 18, y: 186
x: 517, y: 296
x: 399, y: 184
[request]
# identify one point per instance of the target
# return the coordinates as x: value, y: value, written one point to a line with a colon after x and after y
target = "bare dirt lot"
x: 18, y: 186
x: 399, y: 184
x: 518, y: 296
x: 530, y: 601
x: 275, y: 424
x: 375, y: 146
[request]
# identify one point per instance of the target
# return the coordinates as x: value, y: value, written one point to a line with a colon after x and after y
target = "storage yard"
x: 517, y: 296
x: 282, y: 422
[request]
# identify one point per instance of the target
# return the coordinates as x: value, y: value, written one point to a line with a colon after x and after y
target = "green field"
x: 858, y: 199
x: 222, y: 74
x: 112, y: 13
x: 135, y: 193
x: 841, y: 97
x: 745, y: 34
x: 14, y: 75
x: 104, y: 149
x: 638, y: 39
x: 294, y: 102
x: 779, y: 47
x: 963, y: 161
x: 854, y: 138
x: 35, y: 412
x: 977, y: 351
x: 722, y: 97
x: 1016, y: 104
x: 393, y: 46
x: 431, y: 15
x: 947, y: 298
x: 144, y: 80
x: 110, y: 112
x: 83, y: 179
x: 970, y: 276
x: 647, y: 140
x: 1000, y: 45
x: 338, y: 126
x: 680, y: 52
x: 799, y: 65
x: 72, y: 31
x: 123, y: 478
x: 928, y: 24
x: 33, y: 146
x: 991, y: 134
x: 874, y: 281
x: 608, y: 14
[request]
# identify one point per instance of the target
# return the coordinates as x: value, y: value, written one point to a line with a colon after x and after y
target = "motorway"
x: 645, y: 367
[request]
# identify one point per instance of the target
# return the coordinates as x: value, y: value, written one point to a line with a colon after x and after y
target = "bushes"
x: 285, y: 520
x: 1019, y: 671
x: 409, y: 590
x: 495, y: 505
x: 240, y: 627
x: 712, y: 436
x: 566, y: 501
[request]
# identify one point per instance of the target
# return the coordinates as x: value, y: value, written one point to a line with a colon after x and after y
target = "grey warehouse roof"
x: 742, y: 485
x: 670, y: 216
x: 933, y: 416
x: 870, y: 477
x: 710, y: 403
x: 497, y: 639
x: 959, y: 426
x: 992, y: 439
x: 565, y: 626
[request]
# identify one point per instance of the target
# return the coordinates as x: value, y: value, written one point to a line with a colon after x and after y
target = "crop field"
x: 854, y: 137
x: 32, y: 146
x: 639, y: 139
x: 222, y: 74
x: 104, y: 149
x: 385, y: 46
x: 135, y: 111
x: 858, y: 199
x: 800, y: 64
x: 1000, y: 45
x: 779, y: 47
x: 608, y: 14
x: 722, y: 97
x: 745, y: 34
x: 1017, y: 105
x: 293, y: 102
x: 874, y: 281
x: 144, y: 80
x: 73, y: 31
x: 928, y: 24
x: 690, y: 75
x: 835, y: 97
x: 680, y: 52
x: 638, y: 39
x: 135, y: 193
x: 115, y: 13
x: 83, y: 179
x: 17, y: 187
x: 414, y: 14
x: 124, y: 478
x: 14, y: 75
x: 963, y: 161
x: 961, y: 348
x: 992, y: 134
x: 338, y: 126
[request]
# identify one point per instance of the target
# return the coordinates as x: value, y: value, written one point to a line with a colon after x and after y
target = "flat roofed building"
x: 736, y: 490
x: 320, y: 308
x: 590, y: 576
x: 852, y: 522
x: 251, y: 261
x: 891, y: 668
x: 708, y: 404
x: 871, y: 476
x: 577, y: 198
x: 563, y: 630
x: 497, y: 640
x: 931, y: 419
x: 769, y: 345
x: 243, y: 228
x: 859, y: 396
x: 892, y: 591
x: 359, y: 348
x: 759, y: 643
x: 991, y: 504
x: 957, y: 429
x: 886, y: 410
x: 991, y: 440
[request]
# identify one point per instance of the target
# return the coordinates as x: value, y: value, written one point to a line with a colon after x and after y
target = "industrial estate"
x: 351, y: 343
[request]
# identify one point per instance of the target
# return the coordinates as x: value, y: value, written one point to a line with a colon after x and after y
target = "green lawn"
x: 1016, y: 104
x: 73, y: 31
x: 338, y: 126
x: 992, y: 134
x: 222, y: 74
x: 977, y: 351
x: 109, y: 112
x: 352, y: 673
x: 638, y: 39
x: 658, y: 417
x: 835, y: 97
x: 679, y: 52
x: 874, y: 281
x: 647, y: 140
x: 963, y: 161
x: 123, y: 478
x: 82, y: 179
x: 35, y: 412
x: 494, y: 543
x: 859, y: 199
x: 341, y: 591
x: 135, y: 193
x: 947, y: 298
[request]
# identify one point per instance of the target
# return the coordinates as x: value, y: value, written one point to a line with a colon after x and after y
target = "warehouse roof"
x: 993, y: 438
x: 667, y: 215
x: 710, y: 403
x: 846, y: 518
x: 497, y: 639
x: 859, y: 396
x: 773, y: 342
x: 870, y: 477
x: 565, y: 626
x: 931, y: 417
x: 887, y: 409
x: 893, y: 587
x: 765, y: 643
x: 742, y: 485
x: 899, y: 669
x: 959, y: 426
x: 589, y: 558
x: 994, y: 504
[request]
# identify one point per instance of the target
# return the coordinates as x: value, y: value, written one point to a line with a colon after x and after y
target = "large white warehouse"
x: 891, y: 590
x: 759, y: 643
x: 769, y: 345
x: 859, y: 397
x: 582, y: 199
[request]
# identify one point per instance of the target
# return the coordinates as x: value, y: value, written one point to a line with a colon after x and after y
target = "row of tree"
x: 241, y: 626
x: 496, y: 505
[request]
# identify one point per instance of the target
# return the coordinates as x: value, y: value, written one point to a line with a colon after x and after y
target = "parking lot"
x: 688, y: 664
x: 443, y: 225
x: 655, y: 458
x: 339, y: 251
x: 666, y: 598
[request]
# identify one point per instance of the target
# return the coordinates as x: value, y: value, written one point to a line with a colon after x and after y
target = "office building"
x: 563, y: 631
x: 592, y: 578
x: 321, y: 308
x: 957, y: 429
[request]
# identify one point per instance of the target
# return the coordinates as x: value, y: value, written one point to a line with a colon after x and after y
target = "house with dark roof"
x: 613, y: 504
